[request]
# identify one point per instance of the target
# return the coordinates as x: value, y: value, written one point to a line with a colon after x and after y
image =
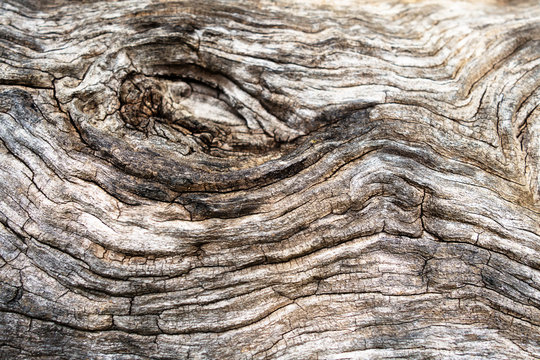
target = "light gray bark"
x: 273, y: 179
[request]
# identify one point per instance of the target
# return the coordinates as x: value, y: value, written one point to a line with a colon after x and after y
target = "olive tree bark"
x: 269, y: 180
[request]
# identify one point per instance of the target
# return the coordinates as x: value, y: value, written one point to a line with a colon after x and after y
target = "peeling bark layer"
x: 215, y: 180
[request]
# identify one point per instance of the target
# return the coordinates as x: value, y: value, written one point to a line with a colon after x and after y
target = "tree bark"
x: 273, y: 179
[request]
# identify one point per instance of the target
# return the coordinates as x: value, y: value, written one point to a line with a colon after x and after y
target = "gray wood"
x: 269, y: 180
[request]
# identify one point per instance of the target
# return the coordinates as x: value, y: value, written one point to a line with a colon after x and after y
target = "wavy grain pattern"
x: 269, y: 180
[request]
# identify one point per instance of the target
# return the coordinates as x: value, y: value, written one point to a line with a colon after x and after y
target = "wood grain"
x: 269, y: 180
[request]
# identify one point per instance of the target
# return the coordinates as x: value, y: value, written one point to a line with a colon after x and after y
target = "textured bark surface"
x: 217, y: 180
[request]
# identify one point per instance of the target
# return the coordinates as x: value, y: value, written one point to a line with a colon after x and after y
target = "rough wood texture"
x: 217, y: 180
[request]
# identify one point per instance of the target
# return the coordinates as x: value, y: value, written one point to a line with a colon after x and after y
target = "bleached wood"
x: 269, y: 180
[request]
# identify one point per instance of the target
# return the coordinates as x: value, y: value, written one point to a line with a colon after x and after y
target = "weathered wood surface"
x: 274, y: 179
